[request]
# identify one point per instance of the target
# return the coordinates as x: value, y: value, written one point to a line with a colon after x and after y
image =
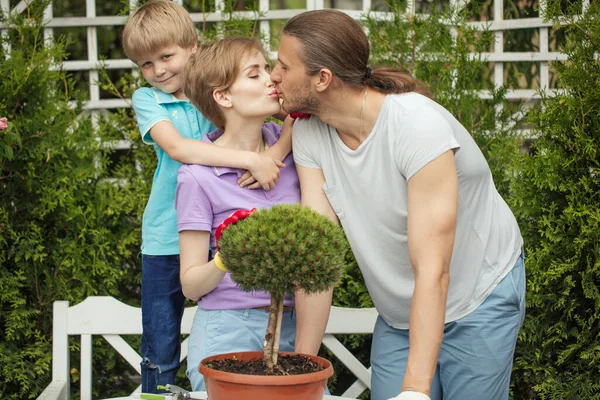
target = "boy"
x: 160, y: 37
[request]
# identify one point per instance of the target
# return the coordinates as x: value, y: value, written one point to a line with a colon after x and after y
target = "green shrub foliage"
x: 66, y: 231
x: 557, y: 201
x: 281, y: 250
x: 284, y: 248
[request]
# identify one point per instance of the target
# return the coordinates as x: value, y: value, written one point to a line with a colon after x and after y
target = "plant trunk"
x: 273, y: 334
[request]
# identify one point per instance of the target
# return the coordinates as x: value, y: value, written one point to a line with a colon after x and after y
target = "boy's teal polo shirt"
x: 159, y: 224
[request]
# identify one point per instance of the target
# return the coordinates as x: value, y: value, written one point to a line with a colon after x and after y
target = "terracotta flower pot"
x: 231, y: 386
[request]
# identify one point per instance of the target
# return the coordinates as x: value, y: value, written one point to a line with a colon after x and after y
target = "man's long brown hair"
x: 333, y: 40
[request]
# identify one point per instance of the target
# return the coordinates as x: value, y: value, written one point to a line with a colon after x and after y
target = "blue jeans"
x: 225, y: 331
x: 476, y: 355
x: 162, y: 309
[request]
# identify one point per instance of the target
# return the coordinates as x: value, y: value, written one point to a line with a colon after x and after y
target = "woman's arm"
x: 432, y: 211
x: 198, y: 275
x: 283, y: 146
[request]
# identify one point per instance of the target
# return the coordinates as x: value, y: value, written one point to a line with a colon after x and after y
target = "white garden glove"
x: 411, y: 395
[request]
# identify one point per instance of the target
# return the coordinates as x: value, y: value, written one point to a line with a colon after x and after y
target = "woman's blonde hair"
x: 215, y: 66
x: 157, y: 24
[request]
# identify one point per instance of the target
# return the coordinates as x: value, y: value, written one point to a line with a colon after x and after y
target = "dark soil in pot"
x: 286, y: 365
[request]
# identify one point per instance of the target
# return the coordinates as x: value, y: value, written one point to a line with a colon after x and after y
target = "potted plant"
x: 277, y: 250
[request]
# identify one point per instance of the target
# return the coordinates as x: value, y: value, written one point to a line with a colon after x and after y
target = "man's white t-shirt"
x: 367, y: 189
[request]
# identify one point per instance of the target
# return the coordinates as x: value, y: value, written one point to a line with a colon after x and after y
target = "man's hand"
x: 278, y: 152
x: 265, y: 172
x: 258, y: 177
x: 411, y: 395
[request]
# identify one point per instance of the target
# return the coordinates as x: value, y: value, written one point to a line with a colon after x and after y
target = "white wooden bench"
x: 110, y: 318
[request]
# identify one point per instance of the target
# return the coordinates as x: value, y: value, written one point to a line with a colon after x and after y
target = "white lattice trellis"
x: 498, y: 25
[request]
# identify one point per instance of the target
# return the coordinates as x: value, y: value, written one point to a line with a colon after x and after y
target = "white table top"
x: 202, y: 395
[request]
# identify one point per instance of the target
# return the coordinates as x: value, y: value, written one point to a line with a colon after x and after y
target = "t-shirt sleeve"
x: 305, y: 143
x: 425, y: 136
x: 147, y: 112
x: 194, y: 209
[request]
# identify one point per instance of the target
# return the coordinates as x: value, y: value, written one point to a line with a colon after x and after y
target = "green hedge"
x: 557, y: 200
x: 67, y: 231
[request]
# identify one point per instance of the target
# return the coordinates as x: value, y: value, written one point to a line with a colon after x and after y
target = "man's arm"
x: 432, y: 211
x: 191, y: 151
x: 283, y: 146
x: 312, y: 311
x: 198, y: 275
x: 278, y: 152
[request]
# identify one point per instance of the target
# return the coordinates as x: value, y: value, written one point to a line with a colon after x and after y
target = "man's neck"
x: 345, y: 115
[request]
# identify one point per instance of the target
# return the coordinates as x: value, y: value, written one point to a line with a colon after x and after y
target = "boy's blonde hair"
x: 215, y: 66
x: 157, y: 24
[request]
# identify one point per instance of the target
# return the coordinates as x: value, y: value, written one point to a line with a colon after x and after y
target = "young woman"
x: 229, y: 83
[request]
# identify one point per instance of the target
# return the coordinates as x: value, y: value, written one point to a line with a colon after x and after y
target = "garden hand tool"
x: 150, y: 396
x: 176, y: 392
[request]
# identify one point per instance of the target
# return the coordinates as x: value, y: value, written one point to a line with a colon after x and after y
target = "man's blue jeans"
x: 476, y: 356
x: 162, y: 309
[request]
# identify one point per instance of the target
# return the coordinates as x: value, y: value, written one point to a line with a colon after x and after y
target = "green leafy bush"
x: 556, y: 199
x: 67, y: 231
x: 284, y: 248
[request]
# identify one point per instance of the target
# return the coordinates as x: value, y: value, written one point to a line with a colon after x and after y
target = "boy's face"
x: 163, y: 69
x: 252, y: 94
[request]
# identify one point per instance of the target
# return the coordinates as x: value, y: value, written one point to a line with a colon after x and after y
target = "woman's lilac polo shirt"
x: 207, y: 195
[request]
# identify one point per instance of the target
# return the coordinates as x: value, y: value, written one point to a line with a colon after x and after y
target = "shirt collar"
x: 227, y: 170
x: 163, y: 98
x: 218, y: 171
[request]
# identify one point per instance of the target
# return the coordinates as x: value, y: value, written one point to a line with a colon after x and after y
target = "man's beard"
x: 300, y: 100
